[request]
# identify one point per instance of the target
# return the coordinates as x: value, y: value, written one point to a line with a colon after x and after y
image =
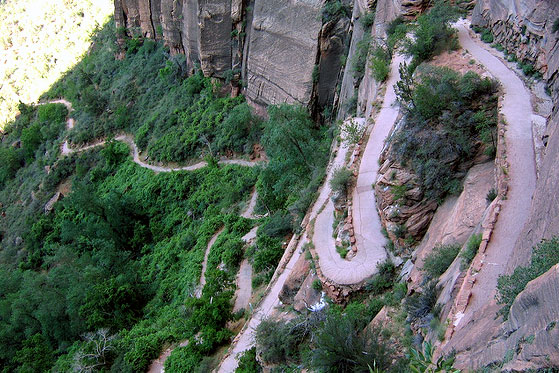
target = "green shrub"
x: 317, y: 285
x: 367, y: 19
x: 444, y: 124
x: 470, y: 250
x: 433, y: 33
x: 248, y: 362
x: 419, y: 305
x: 544, y: 256
x: 279, y: 341
x: 491, y: 195
x: 487, y: 36
x: 555, y: 27
x: 383, y: 280
x: 340, y: 345
x: 380, y: 63
x: 341, y: 180
x: 438, y: 261
x: 334, y: 10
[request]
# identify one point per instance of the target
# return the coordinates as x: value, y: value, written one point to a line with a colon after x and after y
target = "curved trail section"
x: 245, y: 339
x: 244, y: 285
x: 517, y: 111
x: 66, y: 150
x: 369, y: 239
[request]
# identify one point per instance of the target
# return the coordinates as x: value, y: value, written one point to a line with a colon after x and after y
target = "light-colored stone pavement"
x: 517, y: 111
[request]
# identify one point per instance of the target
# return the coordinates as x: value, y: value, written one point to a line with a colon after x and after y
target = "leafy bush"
x: 380, y: 63
x: 334, y: 10
x: 433, y: 33
x: 279, y: 341
x: 340, y: 346
x: 341, y: 179
x: 367, y: 19
x: 555, y: 27
x: 383, y: 280
x: 470, y: 250
x: 444, y: 124
x: 487, y: 36
x: 544, y: 256
x: 491, y: 195
x: 248, y: 362
x: 419, y: 305
x: 278, y: 225
x: 438, y: 261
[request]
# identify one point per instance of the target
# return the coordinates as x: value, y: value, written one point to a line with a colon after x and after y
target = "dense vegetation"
x: 448, y: 116
x: 40, y: 40
x: 107, y: 279
x: 544, y: 256
x: 433, y: 34
x: 148, y: 94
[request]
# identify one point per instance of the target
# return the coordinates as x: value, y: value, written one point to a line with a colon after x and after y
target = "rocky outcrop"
x: 294, y: 281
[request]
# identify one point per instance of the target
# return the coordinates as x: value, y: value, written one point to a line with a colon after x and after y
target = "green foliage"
x: 422, y: 361
x: 380, y: 63
x: 248, y: 362
x: 359, y: 59
x: 383, y: 280
x: 341, y: 346
x: 433, y: 33
x: 317, y: 285
x: 341, y: 180
x: 544, y: 256
x: 491, y: 195
x: 367, y: 19
x: 279, y: 341
x: 438, y: 261
x: 555, y: 26
x: 298, y: 153
x: 35, y: 355
x: 487, y: 36
x: 448, y: 114
x: 420, y: 305
x: 50, y: 40
x: 334, y: 10
x: 470, y: 250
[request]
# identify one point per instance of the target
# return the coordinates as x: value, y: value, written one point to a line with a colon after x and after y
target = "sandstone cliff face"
x: 273, y: 45
x: 283, y: 51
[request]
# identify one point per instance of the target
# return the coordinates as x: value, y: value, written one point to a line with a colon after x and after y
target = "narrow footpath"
x: 65, y: 148
x: 517, y: 111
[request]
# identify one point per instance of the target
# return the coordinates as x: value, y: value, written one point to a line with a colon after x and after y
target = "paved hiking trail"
x: 245, y: 339
x: 517, y: 111
x: 354, y: 271
x: 368, y: 229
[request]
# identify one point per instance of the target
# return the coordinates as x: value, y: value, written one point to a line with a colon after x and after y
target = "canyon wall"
x: 284, y: 51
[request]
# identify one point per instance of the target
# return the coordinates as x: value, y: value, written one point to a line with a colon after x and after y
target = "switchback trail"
x: 368, y: 229
x: 517, y: 111
x: 245, y: 339
x: 66, y: 150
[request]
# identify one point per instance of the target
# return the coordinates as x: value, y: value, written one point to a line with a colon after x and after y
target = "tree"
x: 35, y: 355
x: 95, y: 351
